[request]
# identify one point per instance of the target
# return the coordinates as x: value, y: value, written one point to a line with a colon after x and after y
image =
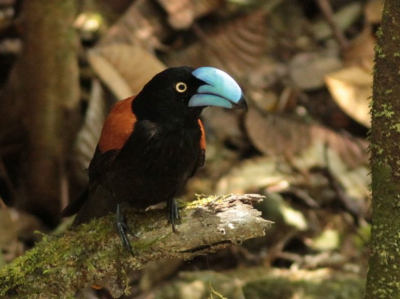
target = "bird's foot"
x: 123, y: 229
x: 173, y: 213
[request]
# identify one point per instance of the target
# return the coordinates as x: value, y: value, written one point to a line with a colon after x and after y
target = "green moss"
x: 379, y: 32
x: 396, y: 127
x: 203, y: 200
x: 385, y: 248
x: 387, y: 110
x: 84, y: 249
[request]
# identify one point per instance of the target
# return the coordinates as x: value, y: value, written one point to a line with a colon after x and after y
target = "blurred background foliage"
x: 306, y: 69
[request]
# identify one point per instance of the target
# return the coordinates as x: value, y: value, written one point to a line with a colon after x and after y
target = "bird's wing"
x: 116, y: 130
x: 118, y: 126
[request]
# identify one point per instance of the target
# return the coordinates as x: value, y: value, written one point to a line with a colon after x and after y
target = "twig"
x: 92, y: 253
x: 326, y: 9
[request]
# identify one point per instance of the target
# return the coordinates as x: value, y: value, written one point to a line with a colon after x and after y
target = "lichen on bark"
x: 384, y: 270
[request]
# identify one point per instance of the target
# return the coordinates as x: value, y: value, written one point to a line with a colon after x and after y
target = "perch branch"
x: 92, y: 253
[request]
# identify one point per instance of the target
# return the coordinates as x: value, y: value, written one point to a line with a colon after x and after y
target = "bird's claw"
x: 173, y: 214
x: 123, y: 228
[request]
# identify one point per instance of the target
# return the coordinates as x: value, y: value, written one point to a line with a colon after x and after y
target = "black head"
x: 165, y: 98
x: 181, y: 93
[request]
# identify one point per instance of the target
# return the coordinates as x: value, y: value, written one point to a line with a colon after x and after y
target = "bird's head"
x: 182, y: 92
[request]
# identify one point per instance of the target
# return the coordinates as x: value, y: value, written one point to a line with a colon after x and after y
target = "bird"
x: 152, y: 143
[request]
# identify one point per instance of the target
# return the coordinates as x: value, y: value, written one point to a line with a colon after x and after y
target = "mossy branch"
x: 92, y: 253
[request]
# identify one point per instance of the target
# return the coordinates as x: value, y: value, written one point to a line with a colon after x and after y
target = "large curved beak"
x: 220, y: 90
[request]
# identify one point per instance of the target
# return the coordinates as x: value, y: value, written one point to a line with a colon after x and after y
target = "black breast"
x: 155, y: 163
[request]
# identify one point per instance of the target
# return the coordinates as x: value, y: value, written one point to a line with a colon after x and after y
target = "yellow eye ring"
x: 181, y: 87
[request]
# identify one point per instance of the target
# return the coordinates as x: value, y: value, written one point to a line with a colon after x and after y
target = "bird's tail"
x: 94, y: 203
x: 74, y: 207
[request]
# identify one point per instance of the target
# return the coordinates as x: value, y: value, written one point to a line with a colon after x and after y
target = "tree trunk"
x: 384, y: 264
x: 49, y: 80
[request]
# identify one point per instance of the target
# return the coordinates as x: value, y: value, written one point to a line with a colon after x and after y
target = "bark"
x: 384, y: 270
x: 92, y: 253
x: 49, y: 80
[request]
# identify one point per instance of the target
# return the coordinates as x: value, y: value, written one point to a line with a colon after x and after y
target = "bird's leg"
x: 173, y: 213
x: 123, y: 228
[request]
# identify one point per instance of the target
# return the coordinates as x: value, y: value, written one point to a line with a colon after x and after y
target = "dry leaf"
x: 373, y: 11
x: 292, y: 144
x: 293, y: 149
x: 143, y: 23
x: 307, y: 70
x: 216, y: 122
x: 274, y: 172
x: 109, y: 74
x: 203, y: 7
x: 254, y: 175
x: 361, y: 50
x: 124, y: 68
x: 274, y: 135
x: 235, y: 46
x: 89, y: 134
x: 351, y: 88
x: 277, y: 135
x: 182, y: 13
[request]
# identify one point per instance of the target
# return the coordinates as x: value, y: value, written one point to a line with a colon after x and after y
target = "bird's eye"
x: 181, y: 87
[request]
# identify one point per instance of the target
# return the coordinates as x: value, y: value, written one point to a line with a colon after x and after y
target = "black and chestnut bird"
x: 152, y: 143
